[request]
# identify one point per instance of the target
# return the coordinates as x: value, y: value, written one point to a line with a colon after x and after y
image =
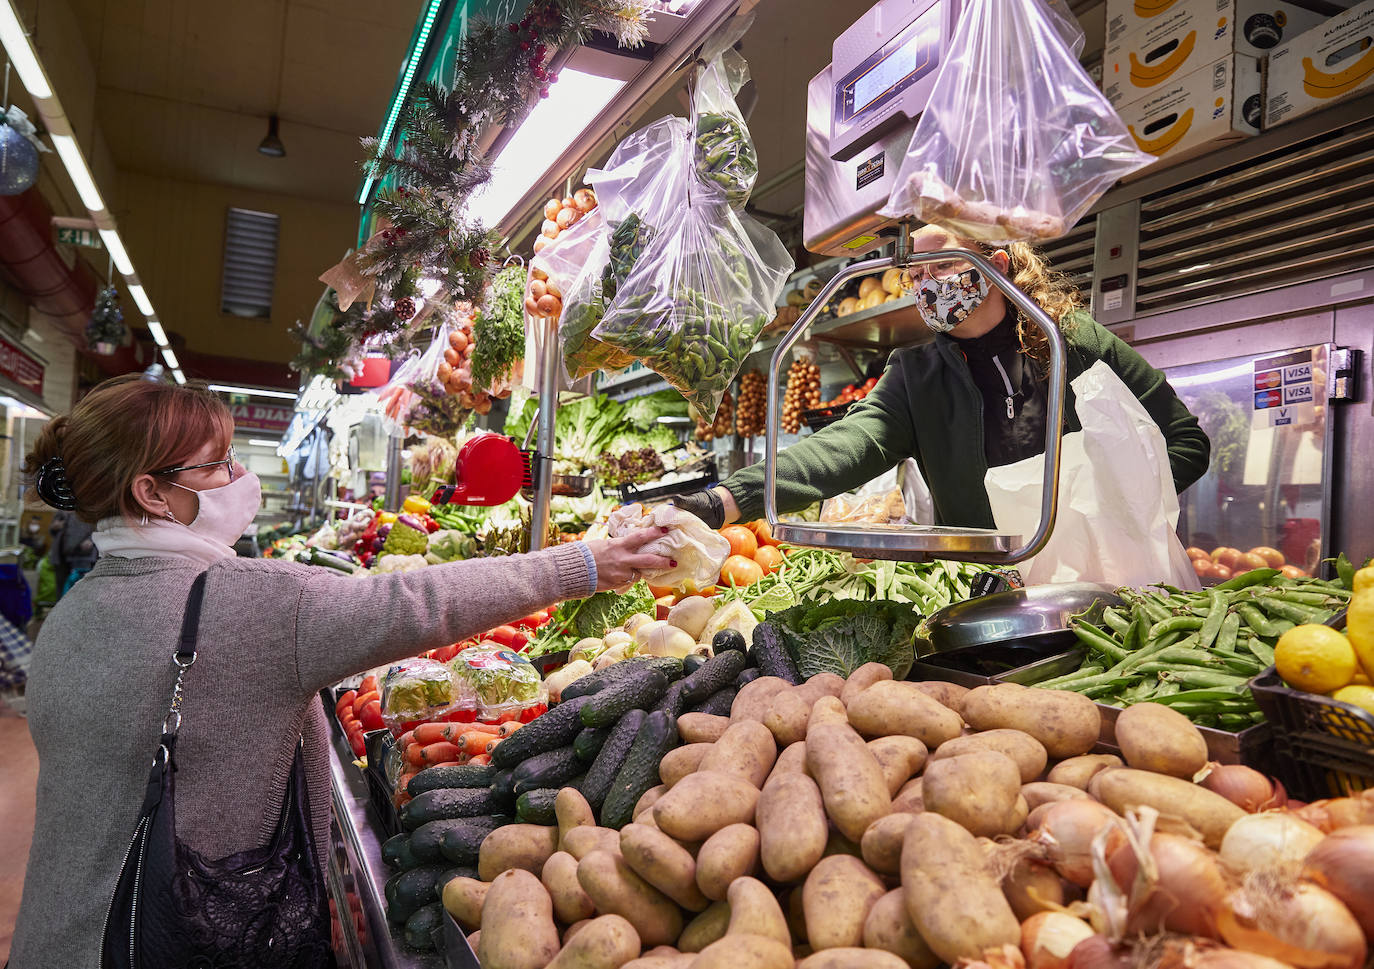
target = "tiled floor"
x: 18, y: 779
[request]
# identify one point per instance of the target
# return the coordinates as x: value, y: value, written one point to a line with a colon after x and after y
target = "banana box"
x: 1259, y: 25
x: 1198, y: 113
x: 1327, y: 64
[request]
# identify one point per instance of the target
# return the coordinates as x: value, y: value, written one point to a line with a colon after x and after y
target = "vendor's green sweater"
x: 927, y: 406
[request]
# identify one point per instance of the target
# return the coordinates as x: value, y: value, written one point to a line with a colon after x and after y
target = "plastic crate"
x: 818, y: 417
x: 707, y: 479
x: 1323, y: 748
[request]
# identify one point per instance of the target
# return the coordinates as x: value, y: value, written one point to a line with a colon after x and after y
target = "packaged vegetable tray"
x: 420, y: 690
x: 505, y: 685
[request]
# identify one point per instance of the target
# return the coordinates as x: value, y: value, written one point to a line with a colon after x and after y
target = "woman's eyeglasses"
x: 228, y: 462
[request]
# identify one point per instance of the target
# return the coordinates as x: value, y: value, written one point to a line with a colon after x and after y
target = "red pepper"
x: 431, y: 525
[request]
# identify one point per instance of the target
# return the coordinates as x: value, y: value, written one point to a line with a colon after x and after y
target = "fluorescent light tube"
x: 171, y: 358
x: 22, y: 55
x: 1214, y: 376
x: 252, y: 391
x: 141, y: 300
x: 159, y: 335
x: 179, y: 376
x: 573, y: 103
x: 115, y: 246
x: 70, y: 154
x: 259, y: 442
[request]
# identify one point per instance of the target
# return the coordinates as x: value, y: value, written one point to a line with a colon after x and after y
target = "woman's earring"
x: 171, y: 518
x: 144, y: 521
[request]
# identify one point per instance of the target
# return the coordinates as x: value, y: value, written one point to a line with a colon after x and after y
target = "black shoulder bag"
x: 173, y: 909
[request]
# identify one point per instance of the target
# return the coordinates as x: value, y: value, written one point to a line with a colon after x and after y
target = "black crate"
x: 818, y: 417
x: 631, y: 493
x: 1323, y: 748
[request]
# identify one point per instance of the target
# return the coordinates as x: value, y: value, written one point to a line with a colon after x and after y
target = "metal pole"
x: 393, y: 472
x: 548, y: 412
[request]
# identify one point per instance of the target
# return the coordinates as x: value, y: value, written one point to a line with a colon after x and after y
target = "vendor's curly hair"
x: 1053, y: 290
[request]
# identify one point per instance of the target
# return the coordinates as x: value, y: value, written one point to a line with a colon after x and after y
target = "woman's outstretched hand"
x: 619, y: 561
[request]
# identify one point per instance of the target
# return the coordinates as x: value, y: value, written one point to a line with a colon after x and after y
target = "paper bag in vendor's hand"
x: 1118, y: 510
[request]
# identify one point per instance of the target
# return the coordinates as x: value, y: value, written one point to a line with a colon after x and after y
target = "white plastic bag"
x: 699, y: 550
x: 1118, y: 510
x: 1017, y: 142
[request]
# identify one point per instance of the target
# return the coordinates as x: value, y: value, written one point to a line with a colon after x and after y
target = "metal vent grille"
x: 1302, y: 212
x: 250, y: 264
x: 1073, y: 254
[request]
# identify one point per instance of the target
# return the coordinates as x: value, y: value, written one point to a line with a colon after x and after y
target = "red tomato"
x: 355, y: 743
x: 445, y: 653
x: 742, y: 540
x: 768, y: 557
x: 533, y: 621
x: 363, y: 700
x: 371, y: 718
x: 739, y: 570
x: 519, y: 641
x: 503, y: 635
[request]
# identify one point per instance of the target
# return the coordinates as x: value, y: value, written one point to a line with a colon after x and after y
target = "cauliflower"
x: 398, y: 563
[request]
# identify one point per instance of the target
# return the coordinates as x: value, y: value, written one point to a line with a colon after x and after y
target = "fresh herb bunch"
x: 499, y: 330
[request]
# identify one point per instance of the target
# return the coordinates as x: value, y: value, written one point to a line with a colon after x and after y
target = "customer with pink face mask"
x: 150, y: 464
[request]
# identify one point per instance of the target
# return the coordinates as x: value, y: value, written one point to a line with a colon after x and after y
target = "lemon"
x: 1356, y: 696
x: 1315, y: 658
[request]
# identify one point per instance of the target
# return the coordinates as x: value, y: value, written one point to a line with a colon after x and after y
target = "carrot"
x: 509, y: 727
x: 475, y: 742
x: 429, y: 733
x: 480, y: 760
x: 345, y: 702
x: 406, y: 740
x: 362, y: 700
x: 403, y: 781
x: 493, y: 745
x: 440, y: 753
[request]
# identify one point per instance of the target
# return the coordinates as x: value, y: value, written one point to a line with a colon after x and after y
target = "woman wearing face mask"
x: 151, y: 465
x: 974, y: 399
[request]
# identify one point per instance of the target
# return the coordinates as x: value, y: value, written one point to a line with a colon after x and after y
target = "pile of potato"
x: 849, y: 824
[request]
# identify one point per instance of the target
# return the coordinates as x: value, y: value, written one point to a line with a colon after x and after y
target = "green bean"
x: 1116, y: 622
x: 1211, y: 695
x: 1263, y: 652
x: 1164, y: 689
x: 1145, y: 653
x: 1103, y: 692
x: 1082, y: 683
x: 1226, y: 636
x: 1290, y: 610
x: 1084, y: 673
x: 1153, y: 610
x: 1172, y: 625
x: 1246, y: 579
x: 1203, y: 678
x: 1256, y: 620
x: 1212, y: 625
x: 1320, y: 599
x: 1098, y: 641
x: 1235, y: 722
x: 1135, y: 636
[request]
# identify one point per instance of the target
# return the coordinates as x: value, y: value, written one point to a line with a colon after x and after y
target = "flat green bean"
x: 1226, y: 636
x: 1172, y: 625
x: 1216, y: 602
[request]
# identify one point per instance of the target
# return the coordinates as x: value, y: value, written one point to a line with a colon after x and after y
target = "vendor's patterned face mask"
x: 946, y: 301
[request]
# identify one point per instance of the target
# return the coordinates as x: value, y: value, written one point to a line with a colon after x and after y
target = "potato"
x: 607, y: 942
x: 1025, y: 751
x: 862, y: 678
x: 1155, y: 738
x: 706, y: 928
x: 574, y: 928
x: 881, y: 844
x: 663, y: 863
x: 662, y: 957
x: 752, y: 700
x: 701, y: 728
x: 755, y: 909
x: 787, y: 715
x: 475, y: 941
x: 889, y: 927
x: 792, y: 827
x: 616, y: 889
x: 730, y: 853
x: 827, y: 709
x: 898, y: 707
x: 792, y: 760
x: 836, y: 898
x: 852, y: 958
x: 463, y: 898
x: 822, y: 684
x: 911, y: 798
x: 900, y: 757
x: 570, y: 903
x: 525, y: 846
x: 745, y: 952
x: 518, y: 931
x: 1020, y: 811
x: 1037, y: 793
x: 701, y: 804
x: 851, y: 782
x: 746, y: 750
x: 648, y: 799
x: 681, y: 761
x: 948, y: 694
x: 572, y: 811
x: 581, y: 841
x: 1078, y: 771
x: 952, y: 896
x: 1124, y: 788
x: 1068, y: 724
x: 978, y: 790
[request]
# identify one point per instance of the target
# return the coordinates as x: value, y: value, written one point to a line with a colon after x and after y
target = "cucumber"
x: 674, y: 700
x: 427, y: 841
x: 595, y: 682
x: 549, y: 731
x: 411, y: 891
x: 770, y: 656
x: 590, y: 741
x: 448, y: 802
x: 718, y: 673
x: 450, y: 775
x: 602, y: 773
x: 748, y: 676
x: 536, y: 807
x: 396, y: 853
x: 692, y: 663
x: 636, y: 692
x: 718, y: 703
x: 459, y: 844
x: 458, y: 871
x: 655, y: 738
x: 551, y: 769
x: 420, y: 927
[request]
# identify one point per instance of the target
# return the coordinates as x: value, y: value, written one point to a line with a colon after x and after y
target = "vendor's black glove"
x: 706, y: 505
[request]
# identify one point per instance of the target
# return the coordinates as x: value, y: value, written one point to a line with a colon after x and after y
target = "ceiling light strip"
x: 22, y: 55
x: 252, y: 391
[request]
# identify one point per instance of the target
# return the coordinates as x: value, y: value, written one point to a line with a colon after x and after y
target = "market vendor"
x: 150, y: 464
x: 984, y: 378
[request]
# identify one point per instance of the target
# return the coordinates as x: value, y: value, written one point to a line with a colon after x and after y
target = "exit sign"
x: 73, y: 236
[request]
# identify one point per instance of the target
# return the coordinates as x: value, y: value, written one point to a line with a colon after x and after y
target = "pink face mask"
x: 227, y: 511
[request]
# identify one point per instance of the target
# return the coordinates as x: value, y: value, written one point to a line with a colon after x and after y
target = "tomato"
x: 742, y: 540
x: 371, y: 717
x: 503, y: 636
x: 369, y: 684
x: 740, y: 570
x: 1273, y: 558
x: 768, y: 558
x: 519, y: 641
x: 445, y: 653
x: 763, y: 532
x: 533, y: 621
x: 1203, y: 567
x: 363, y: 700
x: 1292, y: 572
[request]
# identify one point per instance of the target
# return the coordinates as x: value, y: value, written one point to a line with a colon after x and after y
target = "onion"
x: 1241, y: 785
x: 1300, y: 924
x: 1343, y: 864
x: 1068, y: 829
x: 1097, y: 952
x: 1185, y: 893
x: 1048, y: 939
x: 1234, y: 959
x: 1273, y: 840
x: 1031, y: 888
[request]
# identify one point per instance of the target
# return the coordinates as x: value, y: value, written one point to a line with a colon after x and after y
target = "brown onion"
x: 1187, y: 895
x: 1031, y: 887
x: 1241, y: 785
x: 1234, y: 959
x: 1274, y: 840
x: 1300, y: 924
x: 1098, y: 952
x: 1049, y: 938
x: 1343, y: 864
x: 1068, y: 829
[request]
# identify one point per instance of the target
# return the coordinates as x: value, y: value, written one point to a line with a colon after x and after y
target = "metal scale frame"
x: 862, y: 110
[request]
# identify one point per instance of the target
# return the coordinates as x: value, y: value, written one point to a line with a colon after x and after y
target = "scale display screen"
x: 911, y: 55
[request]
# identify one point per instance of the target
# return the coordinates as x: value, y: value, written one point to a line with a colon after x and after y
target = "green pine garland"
x: 107, y: 321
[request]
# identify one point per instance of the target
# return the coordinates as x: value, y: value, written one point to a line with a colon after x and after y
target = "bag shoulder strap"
x: 190, y: 622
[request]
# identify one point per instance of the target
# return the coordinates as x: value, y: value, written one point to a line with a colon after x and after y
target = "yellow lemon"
x: 1357, y: 696
x: 1315, y: 658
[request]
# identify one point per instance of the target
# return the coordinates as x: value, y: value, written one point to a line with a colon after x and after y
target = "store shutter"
x: 250, y: 263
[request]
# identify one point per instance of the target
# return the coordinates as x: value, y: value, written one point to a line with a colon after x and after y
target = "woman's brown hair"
x: 126, y: 427
x: 1053, y: 290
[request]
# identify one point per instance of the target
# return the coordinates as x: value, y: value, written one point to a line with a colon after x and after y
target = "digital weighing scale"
x: 861, y: 112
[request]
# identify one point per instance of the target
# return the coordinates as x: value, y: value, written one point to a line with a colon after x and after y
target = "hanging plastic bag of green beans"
x: 724, y: 154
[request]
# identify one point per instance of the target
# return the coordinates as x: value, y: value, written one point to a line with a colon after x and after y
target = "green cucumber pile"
x: 1196, y: 651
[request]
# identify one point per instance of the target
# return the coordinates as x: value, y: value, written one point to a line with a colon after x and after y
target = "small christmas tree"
x: 106, y: 332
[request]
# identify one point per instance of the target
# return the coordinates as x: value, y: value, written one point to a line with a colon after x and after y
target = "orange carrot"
x: 475, y: 742
x: 440, y: 753
x: 509, y: 727
x: 481, y: 759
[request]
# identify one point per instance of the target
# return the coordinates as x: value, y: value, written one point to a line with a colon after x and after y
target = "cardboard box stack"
x: 1327, y: 64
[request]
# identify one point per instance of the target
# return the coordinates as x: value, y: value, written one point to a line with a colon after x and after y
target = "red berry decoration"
x: 543, y: 92
x: 513, y: 28
x: 404, y: 308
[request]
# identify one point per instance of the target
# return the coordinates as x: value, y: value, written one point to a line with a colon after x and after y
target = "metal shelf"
x: 895, y: 324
